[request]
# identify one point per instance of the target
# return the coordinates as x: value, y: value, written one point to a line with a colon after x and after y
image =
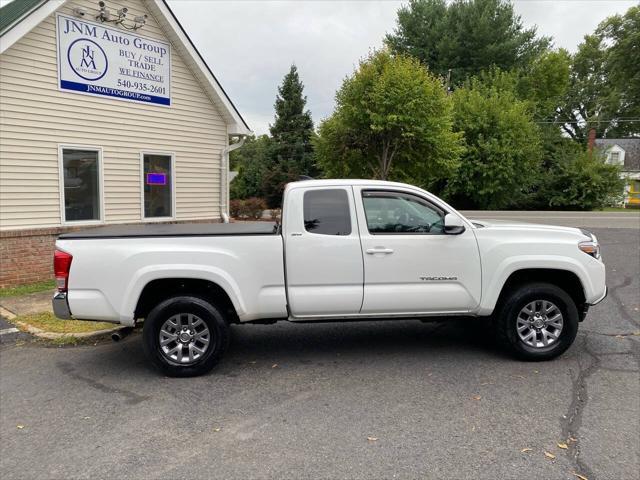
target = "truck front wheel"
x: 185, y: 336
x: 537, y: 321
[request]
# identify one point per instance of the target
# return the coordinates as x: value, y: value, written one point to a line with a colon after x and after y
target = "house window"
x: 614, y: 158
x: 157, y: 178
x: 81, y: 185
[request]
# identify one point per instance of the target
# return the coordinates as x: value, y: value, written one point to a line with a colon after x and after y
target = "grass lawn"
x: 618, y: 209
x: 49, y: 323
x: 26, y: 289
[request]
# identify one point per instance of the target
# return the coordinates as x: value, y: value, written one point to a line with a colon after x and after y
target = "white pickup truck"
x: 346, y: 250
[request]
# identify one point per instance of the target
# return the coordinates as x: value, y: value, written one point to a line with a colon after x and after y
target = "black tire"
x: 510, y: 308
x: 209, y: 314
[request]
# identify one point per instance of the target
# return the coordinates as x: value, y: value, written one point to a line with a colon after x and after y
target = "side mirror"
x: 453, y: 224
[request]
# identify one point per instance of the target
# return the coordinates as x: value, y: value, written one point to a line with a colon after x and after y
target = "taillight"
x: 61, y: 267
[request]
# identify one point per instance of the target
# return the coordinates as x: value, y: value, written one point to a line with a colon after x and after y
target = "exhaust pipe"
x: 120, y: 334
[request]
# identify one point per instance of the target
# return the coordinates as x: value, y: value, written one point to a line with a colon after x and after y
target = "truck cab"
x: 376, y: 249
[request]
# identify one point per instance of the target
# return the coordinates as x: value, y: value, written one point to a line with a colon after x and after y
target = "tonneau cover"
x: 175, y: 230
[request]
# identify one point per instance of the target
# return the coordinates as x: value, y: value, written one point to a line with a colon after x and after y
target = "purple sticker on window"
x: 156, y: 178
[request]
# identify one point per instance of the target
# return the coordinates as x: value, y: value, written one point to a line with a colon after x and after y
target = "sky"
x: 250, y: 44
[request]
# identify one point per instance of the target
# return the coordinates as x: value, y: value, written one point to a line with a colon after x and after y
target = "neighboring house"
x: 626, y: 153
x: 108, y: 114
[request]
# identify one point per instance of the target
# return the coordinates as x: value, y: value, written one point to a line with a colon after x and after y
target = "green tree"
x: 591, y: 98
x: 503, y: 150
x: 574, y: 179
x: 464, y: 36
x: 393, y: 120
x: 542, y: 84
x: 605, y: 81
x: 622, y: 34
x: 292, y: 133
x: 567, y: 177
x: 251, y: 162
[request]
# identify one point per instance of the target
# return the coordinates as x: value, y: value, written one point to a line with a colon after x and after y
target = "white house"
x: 108, y: 114
x: 624, y: 152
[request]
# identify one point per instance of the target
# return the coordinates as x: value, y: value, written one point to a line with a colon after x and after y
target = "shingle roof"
x: 631, y: 147
x: 14, y: 11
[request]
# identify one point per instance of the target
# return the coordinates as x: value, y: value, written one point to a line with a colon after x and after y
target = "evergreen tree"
x: 291, y: 138
x: 252, y: 163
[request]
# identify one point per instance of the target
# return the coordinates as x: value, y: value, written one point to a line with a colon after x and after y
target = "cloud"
x: 250, y: 45
x: 568, y: 21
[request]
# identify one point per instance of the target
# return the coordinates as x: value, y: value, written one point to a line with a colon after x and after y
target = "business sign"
x: 105, y: 61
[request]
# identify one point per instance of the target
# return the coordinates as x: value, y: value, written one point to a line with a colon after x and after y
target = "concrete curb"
x: 36, y: 332
x: 54, y: 335
x: 8, y: 314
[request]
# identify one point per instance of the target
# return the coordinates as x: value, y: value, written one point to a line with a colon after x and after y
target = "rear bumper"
x: 61, y: 306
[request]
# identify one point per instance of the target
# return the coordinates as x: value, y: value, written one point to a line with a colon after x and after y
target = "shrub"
x: 249, y: 208
x: 235, y: 208
x: 253, y: 207
x: 582, y: 182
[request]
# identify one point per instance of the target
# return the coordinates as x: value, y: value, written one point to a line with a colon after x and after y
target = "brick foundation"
x: 26, y: 256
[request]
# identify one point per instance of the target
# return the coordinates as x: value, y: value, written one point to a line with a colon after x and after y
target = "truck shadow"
x: 288, y: 341
x: 289, y: 344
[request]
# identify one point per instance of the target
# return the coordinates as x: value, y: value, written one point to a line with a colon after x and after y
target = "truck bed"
x: 174, y: 230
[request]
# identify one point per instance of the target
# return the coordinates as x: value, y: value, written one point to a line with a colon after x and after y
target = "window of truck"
x: 326, y: 212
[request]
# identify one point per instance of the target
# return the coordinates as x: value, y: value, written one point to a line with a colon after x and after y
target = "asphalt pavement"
x: 394, y: 399
x: 623, y: 219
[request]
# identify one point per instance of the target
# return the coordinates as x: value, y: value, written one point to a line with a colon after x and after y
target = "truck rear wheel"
x: 537, y: 321
x: 185, y: 336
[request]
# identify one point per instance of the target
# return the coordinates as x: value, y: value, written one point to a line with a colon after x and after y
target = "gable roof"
x: 14, y: 11
x: 19, y: 17
x: 631, y: 147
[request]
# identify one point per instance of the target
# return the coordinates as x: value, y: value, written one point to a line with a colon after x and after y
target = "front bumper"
x: 586, y: 306
x: 606, y: 291
x: 61, y: 306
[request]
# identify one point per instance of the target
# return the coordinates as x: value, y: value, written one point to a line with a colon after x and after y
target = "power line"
x: 616, y: 120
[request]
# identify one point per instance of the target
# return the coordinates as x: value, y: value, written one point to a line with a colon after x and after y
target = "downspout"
x: 224, y: 177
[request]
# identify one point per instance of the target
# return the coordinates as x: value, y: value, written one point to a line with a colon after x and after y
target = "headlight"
x: 590, y: 247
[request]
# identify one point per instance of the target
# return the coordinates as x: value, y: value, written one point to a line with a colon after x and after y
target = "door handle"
x: 373, y: 251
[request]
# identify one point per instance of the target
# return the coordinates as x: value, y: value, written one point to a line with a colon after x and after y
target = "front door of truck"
x: 410, y: 264
x: 323, y: 258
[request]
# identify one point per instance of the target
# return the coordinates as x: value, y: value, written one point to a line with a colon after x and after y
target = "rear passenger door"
x: 323, y: 258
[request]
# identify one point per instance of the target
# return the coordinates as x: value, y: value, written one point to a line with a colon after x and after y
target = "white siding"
x: 35, y: 117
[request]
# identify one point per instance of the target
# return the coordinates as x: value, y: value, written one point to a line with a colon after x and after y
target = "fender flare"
x: 493, y: 287
x: 148, y: 274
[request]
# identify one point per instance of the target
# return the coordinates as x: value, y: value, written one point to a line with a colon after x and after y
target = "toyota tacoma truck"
x: 345, y: 250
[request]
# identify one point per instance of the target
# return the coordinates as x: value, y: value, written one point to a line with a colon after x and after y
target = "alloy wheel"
x: 539, y: 324
x: 184, y: 338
